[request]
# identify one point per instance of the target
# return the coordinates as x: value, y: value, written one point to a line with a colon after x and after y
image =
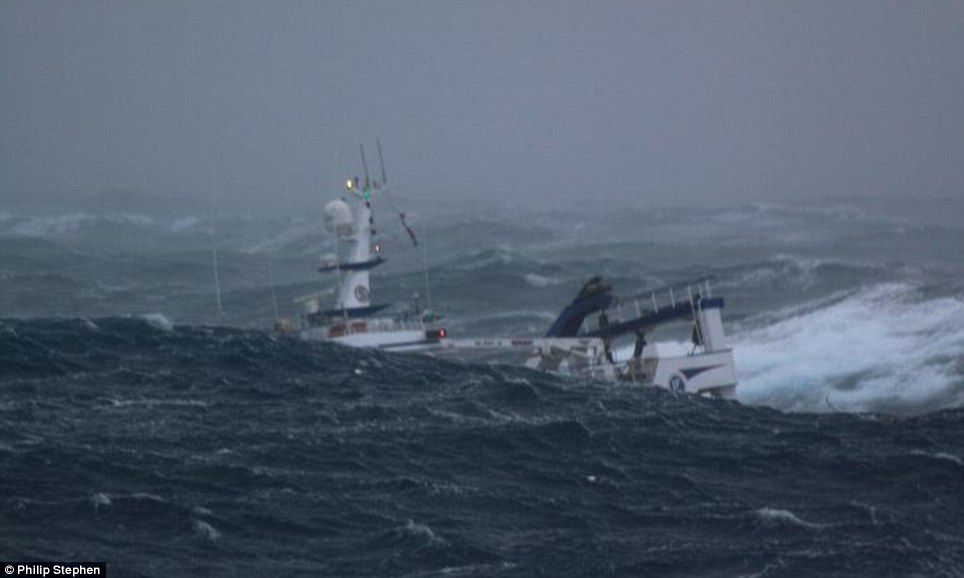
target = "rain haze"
x: 655, y: 288
x: 645, y: 103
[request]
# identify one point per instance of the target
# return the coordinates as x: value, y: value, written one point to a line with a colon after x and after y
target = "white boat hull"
x: 399, y: 339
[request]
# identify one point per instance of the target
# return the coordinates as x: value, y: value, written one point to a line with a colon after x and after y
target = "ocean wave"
x: 206, y: 531
x: 49, y: 227
x: 101, y: 500
x: 882, y: 348
x: 787, y: 272
x: 776, y: 516
x: 155, y: 403
x: 414, y: 465
x: 540, y: 281
x: 504, y: 254
x: 940, y: 456
x: 74, y: 225
x: 184, y: 223
x: 157, y: 321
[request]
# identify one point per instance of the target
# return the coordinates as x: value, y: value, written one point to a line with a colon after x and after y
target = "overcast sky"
x: 638, y: 102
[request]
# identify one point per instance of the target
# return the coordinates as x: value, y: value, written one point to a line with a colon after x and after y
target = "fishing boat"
x: 353, y: 319
x: 590, y: 338
x: 585, y: 340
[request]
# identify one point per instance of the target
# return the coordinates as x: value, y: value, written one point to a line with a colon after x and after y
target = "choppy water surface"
x: 136, y: 428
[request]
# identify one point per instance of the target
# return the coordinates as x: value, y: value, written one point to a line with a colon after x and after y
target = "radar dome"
x: 338, y: 217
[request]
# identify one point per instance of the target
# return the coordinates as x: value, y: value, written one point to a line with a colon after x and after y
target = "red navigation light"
x: 440, y: 333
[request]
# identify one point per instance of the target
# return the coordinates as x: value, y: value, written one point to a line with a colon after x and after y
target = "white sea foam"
x: 949, y: 457
x: 539, y: 281
x: 879, y: 349
x: 774, y: 516
x: 291, y: 233
x: 206, y: 531
x: 157, y: 403
x: 158, y: 321
x: 940, y: 456
x: 56, y: 226
x: 802, y: 271
x: 101, y: 500
x: 148, y: 497
x: 424, y: 532
x: 503, y: 254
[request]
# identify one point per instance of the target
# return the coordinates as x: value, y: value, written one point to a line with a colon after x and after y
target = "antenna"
x: 214, y: 246
x: 381, y: 161
x: 274, y: 294
x: 364, y: 163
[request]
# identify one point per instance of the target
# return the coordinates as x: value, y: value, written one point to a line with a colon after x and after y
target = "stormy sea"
x: 142, y: 426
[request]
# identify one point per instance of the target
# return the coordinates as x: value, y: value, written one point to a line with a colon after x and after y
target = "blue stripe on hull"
x: 363, y: 266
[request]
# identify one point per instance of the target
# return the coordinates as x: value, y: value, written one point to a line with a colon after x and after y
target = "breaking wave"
x: 73, y: 225
x: 884, y: 348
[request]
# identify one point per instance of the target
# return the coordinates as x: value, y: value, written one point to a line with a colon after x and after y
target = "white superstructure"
x: 352, y: 320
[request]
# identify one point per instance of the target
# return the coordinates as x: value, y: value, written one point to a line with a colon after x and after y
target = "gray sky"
x: 639, y: 102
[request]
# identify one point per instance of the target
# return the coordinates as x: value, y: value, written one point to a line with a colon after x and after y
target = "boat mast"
x: 401, y: 217
x: 364, y: 166
x: 381, y: 161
